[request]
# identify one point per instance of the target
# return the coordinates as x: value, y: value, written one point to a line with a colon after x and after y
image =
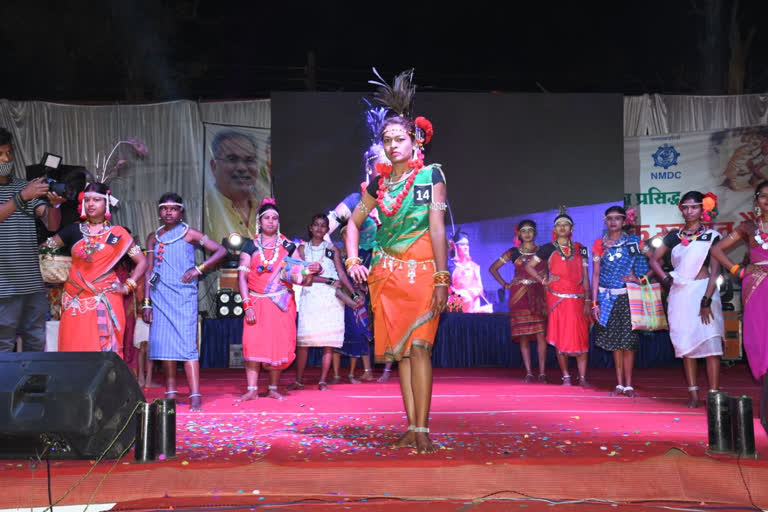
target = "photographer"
x: 23, y: 299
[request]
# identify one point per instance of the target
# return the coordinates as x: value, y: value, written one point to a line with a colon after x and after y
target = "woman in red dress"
x: 567, y: 285
x: 266, y: 276
x: 527, y: 300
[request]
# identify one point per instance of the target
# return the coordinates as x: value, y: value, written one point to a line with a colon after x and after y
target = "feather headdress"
x: 397, y: 97
x: 374, y: 119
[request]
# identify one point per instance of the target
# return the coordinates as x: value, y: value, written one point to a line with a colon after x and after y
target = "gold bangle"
x: 201, y: 267
x: 441, y: 272
x: 441, y: 285
x: 735, y: 269
x: 350, y: 262
x: 130, y: 284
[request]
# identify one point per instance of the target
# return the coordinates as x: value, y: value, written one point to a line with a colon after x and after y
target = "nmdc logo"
x: 666, y: 156
x: 666, y: 175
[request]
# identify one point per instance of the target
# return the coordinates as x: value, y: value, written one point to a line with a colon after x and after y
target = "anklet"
x: 628, y: 388
x: 715, y: 390
x: 272, y: 388
x: 171, y: 392
x: 253, y: 388
x: 387, y: 370
x: 422, y: 430
x: 367, y: 371
x: 195, y: 394
x: 620, y: 387
x: 411, y: 427
x: 320, y: 383
x: 693, y: 388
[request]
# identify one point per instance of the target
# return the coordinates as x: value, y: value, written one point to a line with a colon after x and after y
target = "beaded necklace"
x: 616, y: 246
x: 92, y: 241
x: 760, y: 235
x: 683, y: 235
x: 160, y: 247
x: 266, y: 264
x: 562, y: 253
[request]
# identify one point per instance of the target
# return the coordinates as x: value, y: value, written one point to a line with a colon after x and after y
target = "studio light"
x: 233, y: 244
x: 224, y: 303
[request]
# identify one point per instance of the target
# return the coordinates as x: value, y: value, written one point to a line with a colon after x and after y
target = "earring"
x: 757, y: 211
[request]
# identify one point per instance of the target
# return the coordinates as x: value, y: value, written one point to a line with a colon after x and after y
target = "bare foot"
x: 385, y: 376
x: 195, y: 402
x: 567, y: 380
x: 293, y: 386
x: 693, y: 402
x: 274, y: 394
x: 424, y: 443
x: 629, y: 391
x: 322, y: 386
x: 336, y: 380
x: 583, y: 382
x: 618, y: 390
x: 528, y: 378
x: 367, y: 376
x: 542, y: 378
x: 353, y: 380
x: 140, y: 381
x: 407, y: 439
x: 250, y: 395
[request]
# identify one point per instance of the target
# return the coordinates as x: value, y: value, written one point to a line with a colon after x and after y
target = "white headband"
x: 171, y: 203
x: 269, y: 209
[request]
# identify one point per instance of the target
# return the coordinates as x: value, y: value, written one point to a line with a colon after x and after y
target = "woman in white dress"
x: 695, y: 312
x: 321, y: 313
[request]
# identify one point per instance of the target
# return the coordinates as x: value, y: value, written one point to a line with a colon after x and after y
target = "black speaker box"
x: 66, y: 405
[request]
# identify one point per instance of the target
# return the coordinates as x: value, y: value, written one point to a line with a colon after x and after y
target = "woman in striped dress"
x: 170, y: 295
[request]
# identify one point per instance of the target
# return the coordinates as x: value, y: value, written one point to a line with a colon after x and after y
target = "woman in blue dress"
x: 617, y: 259
x: 170, y: 295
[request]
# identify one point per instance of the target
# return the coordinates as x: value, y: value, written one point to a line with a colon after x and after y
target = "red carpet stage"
x: 498, y: 437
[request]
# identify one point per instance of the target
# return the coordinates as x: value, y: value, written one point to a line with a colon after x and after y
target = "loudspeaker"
x: 68, y: 405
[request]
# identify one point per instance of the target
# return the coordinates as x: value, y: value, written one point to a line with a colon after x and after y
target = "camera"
x: 51, y: 163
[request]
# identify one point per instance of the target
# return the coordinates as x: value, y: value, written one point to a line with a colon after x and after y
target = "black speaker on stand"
x: 66, y: 405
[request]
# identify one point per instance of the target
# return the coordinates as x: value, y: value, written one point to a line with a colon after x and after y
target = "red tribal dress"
x: 567, y: 326
x: 92, y: 315
x: 527, y: 300
x: 272, y: 339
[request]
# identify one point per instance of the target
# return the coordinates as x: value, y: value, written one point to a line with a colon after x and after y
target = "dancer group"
x: 394, y: 259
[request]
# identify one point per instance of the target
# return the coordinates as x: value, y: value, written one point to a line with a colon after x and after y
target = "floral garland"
x: 385, y: 170
x: 760, y: 236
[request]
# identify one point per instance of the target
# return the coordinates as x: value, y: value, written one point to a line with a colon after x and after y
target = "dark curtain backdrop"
x: 503, y: 154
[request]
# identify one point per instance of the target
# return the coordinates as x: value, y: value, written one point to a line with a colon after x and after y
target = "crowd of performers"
x: 394, y: 260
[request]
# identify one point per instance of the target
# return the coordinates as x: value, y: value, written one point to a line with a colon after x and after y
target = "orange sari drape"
x: 400, y: 303
x: 92, y: 316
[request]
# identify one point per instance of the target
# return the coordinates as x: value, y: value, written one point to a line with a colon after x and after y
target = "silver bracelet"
x: 243, y: 268
x: 51, y: 243
x: 133, y: 251
x: 203, y: 240
x: 363, y: 208
x: 438, y: 206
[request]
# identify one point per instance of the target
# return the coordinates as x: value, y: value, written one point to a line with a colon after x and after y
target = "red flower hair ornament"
x: 424, y: 130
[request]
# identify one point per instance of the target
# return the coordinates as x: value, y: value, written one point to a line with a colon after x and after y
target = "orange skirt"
x: 567, y: 327
x: 272, y: 339
x: 80, y: 332
x: 401, y: 314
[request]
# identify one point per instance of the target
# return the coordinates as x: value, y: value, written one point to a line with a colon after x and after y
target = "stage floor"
x: 498, y: 438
